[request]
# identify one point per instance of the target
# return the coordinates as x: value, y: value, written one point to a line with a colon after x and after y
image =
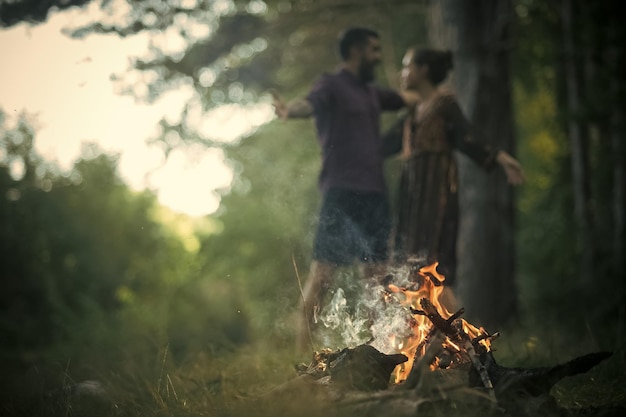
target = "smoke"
x: 372, y: 316
x: 350, y: 326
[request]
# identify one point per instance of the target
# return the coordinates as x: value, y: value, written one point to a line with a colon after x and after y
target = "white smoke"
x: 378, y: 318
x: 337, y: 317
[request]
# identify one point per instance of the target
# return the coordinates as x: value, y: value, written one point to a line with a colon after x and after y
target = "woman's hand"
x: 512, y: 168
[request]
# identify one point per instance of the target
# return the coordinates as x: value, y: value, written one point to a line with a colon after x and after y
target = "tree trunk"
x: 579, y: 145
x: 617, y: 91
x: 477, y: 32
x: 616, y: 126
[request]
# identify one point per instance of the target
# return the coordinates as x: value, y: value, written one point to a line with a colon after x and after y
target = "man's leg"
x: 374, y: 221
x: 375, y: 271
x: 317, y: 283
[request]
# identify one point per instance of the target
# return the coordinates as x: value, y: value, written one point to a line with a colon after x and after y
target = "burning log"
x: 422, y: 366
x: 444, y: 325
x: 362, y: 368
x: 456, y: 336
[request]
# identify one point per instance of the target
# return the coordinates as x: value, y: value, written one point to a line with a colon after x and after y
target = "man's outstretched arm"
x: 296, y: 109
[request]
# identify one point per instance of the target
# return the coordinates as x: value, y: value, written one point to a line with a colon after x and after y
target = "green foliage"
x: 88, y: 262
x: 267, y: 222
x: 33, y: 11
x: 548, y: 242
x: 545, y: 250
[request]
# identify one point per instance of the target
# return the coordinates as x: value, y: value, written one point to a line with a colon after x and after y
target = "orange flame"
x: 414, y: 345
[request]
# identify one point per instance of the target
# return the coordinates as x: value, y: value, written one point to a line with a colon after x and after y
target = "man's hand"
x: 280, y: 108
x: 411, y: 98
x: 295, y: 109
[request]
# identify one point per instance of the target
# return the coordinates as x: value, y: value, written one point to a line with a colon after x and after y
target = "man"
x: 354, y: 221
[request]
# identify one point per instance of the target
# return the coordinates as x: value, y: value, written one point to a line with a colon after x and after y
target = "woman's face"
x: 412, y: 74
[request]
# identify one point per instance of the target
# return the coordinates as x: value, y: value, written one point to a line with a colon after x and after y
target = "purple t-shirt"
x: 347, y: 118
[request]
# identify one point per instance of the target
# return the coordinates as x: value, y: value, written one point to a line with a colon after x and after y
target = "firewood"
x: 422, y: 365
x: 480, y: 368
x: 537, y: 381
x: 430, y: 311
x: 347, y: 388
x: 364, y: 368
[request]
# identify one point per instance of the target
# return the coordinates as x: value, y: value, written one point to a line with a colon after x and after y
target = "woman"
x: 427, y: 217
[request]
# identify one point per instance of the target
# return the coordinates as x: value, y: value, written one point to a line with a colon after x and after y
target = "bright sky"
x: 67, y: 84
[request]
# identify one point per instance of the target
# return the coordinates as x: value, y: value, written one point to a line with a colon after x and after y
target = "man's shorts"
x: 353, y: 225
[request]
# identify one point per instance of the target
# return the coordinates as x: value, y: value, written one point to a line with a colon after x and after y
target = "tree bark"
x: 577, y: 132
x: 616, y: 128
x: 617, y: 90
x: 478, y: 33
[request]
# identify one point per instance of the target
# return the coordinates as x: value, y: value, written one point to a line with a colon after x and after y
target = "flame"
x: 429, y: 291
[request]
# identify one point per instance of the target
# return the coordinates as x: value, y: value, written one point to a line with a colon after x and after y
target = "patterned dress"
x: 427, y: 219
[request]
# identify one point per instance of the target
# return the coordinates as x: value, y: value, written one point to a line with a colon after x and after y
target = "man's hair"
x: 354, y: 37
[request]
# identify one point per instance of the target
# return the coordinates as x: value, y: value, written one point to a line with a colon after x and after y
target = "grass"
x: 145, y: 379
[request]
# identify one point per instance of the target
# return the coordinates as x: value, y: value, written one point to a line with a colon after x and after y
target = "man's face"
x: 371, y: 56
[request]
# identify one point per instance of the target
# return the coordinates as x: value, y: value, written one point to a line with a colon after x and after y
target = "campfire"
x: 427, y: 315
x: 451, y: 339
x: 437, y: 342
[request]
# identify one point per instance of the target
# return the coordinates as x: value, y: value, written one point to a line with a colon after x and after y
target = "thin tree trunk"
x: 619, y: 199
x: 477, y: 32
x: 579, y: 144
x: 616, y: 128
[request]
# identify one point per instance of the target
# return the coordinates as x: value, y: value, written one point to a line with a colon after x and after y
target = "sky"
x: 66, y: 84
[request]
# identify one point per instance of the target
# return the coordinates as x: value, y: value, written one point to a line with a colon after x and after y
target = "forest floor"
x: 152, y: 381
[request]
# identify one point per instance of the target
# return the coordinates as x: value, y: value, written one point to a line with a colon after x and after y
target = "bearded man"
x: 355, y: 221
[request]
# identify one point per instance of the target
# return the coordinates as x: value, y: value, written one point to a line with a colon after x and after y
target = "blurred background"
x: 155, y: 218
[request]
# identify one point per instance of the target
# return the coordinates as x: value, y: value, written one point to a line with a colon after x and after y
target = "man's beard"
x: 366, y: 71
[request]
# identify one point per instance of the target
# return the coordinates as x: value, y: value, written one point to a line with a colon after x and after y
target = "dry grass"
x: 151, y: 381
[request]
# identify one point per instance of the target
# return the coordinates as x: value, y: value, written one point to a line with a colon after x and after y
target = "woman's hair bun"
x: 439, y: 62
x: 448, y: 60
